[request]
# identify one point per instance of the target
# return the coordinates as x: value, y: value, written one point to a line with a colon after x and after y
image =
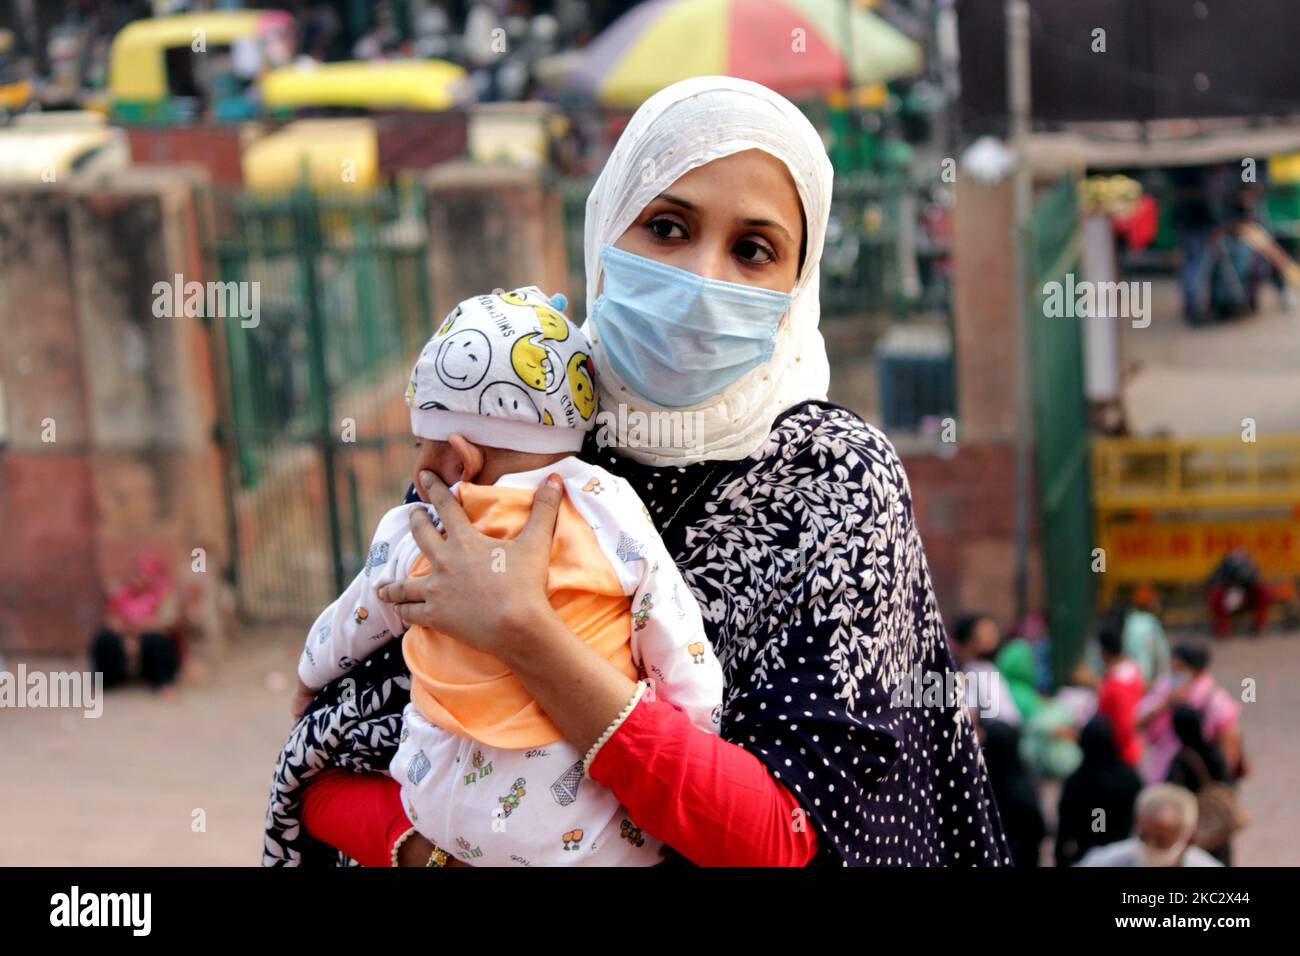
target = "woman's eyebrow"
x: 687, y: 204
x: 771, y: 223
x: 678, y: 201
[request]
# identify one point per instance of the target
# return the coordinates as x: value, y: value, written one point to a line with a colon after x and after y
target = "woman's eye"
x: 665, y: 228
x: 754, y: 252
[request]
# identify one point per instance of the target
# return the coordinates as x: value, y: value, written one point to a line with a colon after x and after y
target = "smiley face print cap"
x: 506, y: 370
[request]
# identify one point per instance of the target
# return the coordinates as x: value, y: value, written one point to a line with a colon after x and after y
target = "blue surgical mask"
x: 676, y: 337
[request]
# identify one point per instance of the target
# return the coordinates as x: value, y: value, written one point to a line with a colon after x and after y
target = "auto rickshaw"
x: 50, y: 147
x: 15, y: 92
x: 358, y: 86
x: 168, y: 69
x: 326, y: 153
x: 339, y: 146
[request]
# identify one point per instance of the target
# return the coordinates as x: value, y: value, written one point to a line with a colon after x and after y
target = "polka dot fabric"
x: 815, y: 591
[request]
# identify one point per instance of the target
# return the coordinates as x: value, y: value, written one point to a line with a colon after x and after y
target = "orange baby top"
x: 473, y: 694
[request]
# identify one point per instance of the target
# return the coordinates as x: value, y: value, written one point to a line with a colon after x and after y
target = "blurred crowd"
x: 503, y: 43
x: 1139, y: 755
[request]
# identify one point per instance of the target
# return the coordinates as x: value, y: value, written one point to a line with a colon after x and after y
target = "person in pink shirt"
x: 1190, y: 682
x: 143, y: 631
x: 1119, y: 694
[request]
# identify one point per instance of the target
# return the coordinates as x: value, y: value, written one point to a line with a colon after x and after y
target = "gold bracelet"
x: 437, y: 857
x: 641, y: 687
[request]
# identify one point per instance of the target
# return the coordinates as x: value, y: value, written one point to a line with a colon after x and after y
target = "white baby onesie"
x: 492, y: 806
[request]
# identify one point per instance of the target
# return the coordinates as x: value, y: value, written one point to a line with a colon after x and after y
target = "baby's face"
x: 438, y: 457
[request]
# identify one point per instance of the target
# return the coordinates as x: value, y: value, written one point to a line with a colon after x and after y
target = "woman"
x: 1198, y: 764
x: 1048, y: 732
x: 790, y: 518
x: 1189, y: 682
x: 1144, y: 635
x: 1016, y: 792
x: 1102, y: 782
x: 143, y: 633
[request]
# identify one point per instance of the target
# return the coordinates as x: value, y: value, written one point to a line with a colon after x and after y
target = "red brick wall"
x: 49, y: 579
x: 215, y: 148
x: 965, y: 509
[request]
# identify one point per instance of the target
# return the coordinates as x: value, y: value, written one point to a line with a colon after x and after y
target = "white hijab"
x: 683, y: 126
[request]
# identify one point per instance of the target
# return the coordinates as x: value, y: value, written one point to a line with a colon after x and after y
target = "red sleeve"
x: 1118, y: 701
x: 358, y: 813
x: 1110, y: 706
x: 711, y: 801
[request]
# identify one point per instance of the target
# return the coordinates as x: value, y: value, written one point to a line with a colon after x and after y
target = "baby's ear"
x: 470, y: 455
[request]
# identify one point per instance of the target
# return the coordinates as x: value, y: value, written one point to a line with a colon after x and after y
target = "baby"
x: 505, y: 387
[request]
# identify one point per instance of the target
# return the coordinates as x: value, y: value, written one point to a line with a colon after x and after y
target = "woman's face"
x: 737, y: 219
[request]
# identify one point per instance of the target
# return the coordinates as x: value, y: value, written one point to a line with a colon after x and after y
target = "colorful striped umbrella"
x: 796, y: 47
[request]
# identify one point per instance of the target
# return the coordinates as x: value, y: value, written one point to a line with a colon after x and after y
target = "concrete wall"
x: 493, y: 226
x: 133, y: 466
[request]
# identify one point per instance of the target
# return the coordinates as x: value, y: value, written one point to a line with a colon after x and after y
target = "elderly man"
x: 1166, y: 824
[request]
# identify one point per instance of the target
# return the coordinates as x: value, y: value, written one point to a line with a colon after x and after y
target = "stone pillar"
x: 1100, y: 263
x: 988, y: 374
x: 966, y: 503
x: 493, y: 226
x: 152, y: 400
x: 134, y: 466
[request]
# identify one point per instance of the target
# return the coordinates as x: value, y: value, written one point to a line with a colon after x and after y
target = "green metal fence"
x: 1060, y: 429
x: 313, y: 424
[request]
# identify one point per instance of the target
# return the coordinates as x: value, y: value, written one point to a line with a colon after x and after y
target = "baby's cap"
x: 508, y: 370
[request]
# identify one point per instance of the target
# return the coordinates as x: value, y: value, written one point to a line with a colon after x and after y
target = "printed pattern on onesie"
x: 490, y: 806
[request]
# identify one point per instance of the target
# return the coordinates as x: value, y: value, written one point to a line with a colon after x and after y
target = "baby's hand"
x: 302, y: 698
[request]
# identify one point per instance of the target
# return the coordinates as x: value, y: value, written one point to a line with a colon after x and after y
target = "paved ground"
x: 1188, y: 381
x: 123, y: 789
x: 1271, y: 793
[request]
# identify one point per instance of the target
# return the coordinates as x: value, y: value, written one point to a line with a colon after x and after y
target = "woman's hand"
x: 416, y: 850
x: 482, y: 591
x: 490, y: 593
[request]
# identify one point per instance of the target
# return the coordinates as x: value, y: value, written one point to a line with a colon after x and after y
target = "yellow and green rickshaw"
x: 165, y: 69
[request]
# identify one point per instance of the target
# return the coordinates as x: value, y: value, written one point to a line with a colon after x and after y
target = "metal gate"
x: 314, y: 430
x: 1060, y: 429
